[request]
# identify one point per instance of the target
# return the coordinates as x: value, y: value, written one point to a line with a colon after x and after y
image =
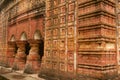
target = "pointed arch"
x: 12, y: 38
x: 37, y: 35
x: 23, y: 36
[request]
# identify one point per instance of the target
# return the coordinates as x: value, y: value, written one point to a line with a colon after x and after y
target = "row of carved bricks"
x: 96, y: 48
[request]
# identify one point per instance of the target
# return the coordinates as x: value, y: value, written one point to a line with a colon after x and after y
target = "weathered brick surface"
x: 20, y: 58
x: 27, y: 26
x: 78, y: 38
x: 85, y: 48
x: 33, y: 62
x: 10, y: 54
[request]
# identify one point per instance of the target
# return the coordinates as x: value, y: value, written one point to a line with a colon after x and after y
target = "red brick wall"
x: 29, y: 26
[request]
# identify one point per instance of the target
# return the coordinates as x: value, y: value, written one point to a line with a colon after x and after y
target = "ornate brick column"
x: 20, y: 58
x: 10, y: 55
x: 33, y: 59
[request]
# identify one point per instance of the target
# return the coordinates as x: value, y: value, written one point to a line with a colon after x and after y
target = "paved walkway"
x: 17, y: 75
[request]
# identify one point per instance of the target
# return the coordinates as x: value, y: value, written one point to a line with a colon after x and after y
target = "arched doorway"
x: 22, y: 52
x: 23, y: 36
x: 35, y: 54
x: 38, y: 36
x: 12, y: 39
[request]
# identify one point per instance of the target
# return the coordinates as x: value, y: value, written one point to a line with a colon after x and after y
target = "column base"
x: 18, y: 66
x: 4, y: 62
x: 33, y: 64
x: 10, y: 61
x: 19, y: 63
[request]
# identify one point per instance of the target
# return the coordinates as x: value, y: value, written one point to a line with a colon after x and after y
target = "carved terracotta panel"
x: 70, y: 44
x: 62, y: 44
x: 71, y: 6
x: 63, y: 9
x: 62, y: 66
x: 62, y: 32
x: 62, y: 54
x: 70, y: 67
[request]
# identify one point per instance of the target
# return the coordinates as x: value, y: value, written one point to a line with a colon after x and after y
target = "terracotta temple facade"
x: 61, y: 39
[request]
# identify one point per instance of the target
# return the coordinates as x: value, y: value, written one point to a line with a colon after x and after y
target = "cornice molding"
x: 3, y: 3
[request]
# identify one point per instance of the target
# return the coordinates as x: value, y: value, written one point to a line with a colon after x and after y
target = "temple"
x: 61, y: 39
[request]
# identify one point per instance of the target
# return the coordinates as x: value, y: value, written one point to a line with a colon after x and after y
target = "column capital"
x: 21, y: 43
x: 11, y: 42
x: 32, y: 41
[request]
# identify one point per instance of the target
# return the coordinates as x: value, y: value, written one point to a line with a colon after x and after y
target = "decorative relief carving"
x: 55, y: 11
x: 89, y: 59
x: 82, y: 1
x: 62, y: 54
x: 96, y: 46
x: 110, y: 46
x: 63, y: 9
x: 48, y: 44
x: 62, y: 1
x: 89, y: 33
x: 70, y: 67
x: 48, y: 22
x: 63, y: 19
x: 108, y: 33
x: 62, y: 66
x: 55, y: 44
x: 108, y: 8
x: 55, y: 54
x: 55, y: 32
x: 62, y: 32
x: 48, y: 13
x: 48, y: 64
x: 55, y: 20
x: 48, y: 33
x: 108, y: 20
x: 70, y: 55
x: 55, y: 65
x: 89, y: 21
x: 48, y: 54
x: 62, y: 44
x: 88, y: 9
x: 70, y: 44
x: 71, y: 17
x: 90, y: 46
x: 22, y: 6
x: 35, y: 3
x: 55, y: 2
x: 48, y: 5
x: 71, y: 6
x: 70, y: 31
